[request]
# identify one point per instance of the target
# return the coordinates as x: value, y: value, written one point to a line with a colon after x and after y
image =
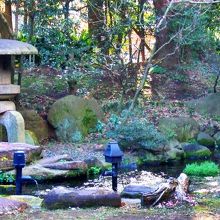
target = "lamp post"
x: 19, y: 163
x: 113, y: 155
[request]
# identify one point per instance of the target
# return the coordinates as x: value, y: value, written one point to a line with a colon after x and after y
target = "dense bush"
x: 206, y: 168
x: 135, y: 133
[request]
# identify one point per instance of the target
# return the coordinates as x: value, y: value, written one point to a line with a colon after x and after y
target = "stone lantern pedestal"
x: 9, y: 117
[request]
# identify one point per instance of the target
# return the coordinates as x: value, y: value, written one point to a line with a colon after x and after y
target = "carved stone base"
x: 14, y: 124
x: 7, y: 106
x: 9, y: 91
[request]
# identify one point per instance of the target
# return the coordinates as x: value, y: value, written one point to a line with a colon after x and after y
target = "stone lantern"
x: 9, y: 117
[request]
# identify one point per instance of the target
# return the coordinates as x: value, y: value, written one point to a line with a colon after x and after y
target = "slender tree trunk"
x: 66, y: 9
x: 130, y: 46
x: 8, y: 13
x: 142, y: 31
x: 216, y: 83
x: 16, y: 16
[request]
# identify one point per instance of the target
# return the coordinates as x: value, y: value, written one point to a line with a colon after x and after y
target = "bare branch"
x: 200, y: 2
x: 165, y: 15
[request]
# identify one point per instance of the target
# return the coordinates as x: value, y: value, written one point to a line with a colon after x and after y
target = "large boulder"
x: 61, y: 197
x: 175, y: 151
x: 207, y: 106
x: 30, y: 138
x: 206, y: 140
x: 73, y: 117
x: 196, y: 151
x: 7, y: 153
x: 181, y: 128
x: 36, y: 124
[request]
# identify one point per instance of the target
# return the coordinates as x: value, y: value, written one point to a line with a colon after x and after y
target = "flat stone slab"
x: 7, y: 152
x: 58, y: 167
x: 9, y: 206
x: 7, y: 106
x: 61, y: 197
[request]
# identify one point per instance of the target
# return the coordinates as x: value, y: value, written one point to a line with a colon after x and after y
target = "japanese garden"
x: 110, y: 109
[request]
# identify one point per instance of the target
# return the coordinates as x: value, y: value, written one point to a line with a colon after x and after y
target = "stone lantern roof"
x: 14, y: 47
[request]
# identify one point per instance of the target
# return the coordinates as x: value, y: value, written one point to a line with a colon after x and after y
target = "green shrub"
x: 137, y: 133
x: 206, y: 168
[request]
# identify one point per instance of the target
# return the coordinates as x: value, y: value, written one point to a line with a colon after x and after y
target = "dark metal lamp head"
x: 113, y: 153
x: 19, y: 159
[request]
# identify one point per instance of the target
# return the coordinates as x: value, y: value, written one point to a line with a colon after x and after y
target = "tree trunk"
x: 5, y: 30
x: 31, y: 11
x: 25, y: 14
x: 168, y: 55
x: 178, y: 187
x: 16, y: 16
x: 8, y: 13
x: 96, y: 23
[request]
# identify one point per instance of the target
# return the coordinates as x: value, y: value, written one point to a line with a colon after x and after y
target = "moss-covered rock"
x: 148, y: 158
x: 180, y: 128
x: 36, y: 124
x: 206, y: 140
x: 74, y: 117
x: 196, y: 151
x: 217, y: 138
x: 31, y: 138
x: 175, y: 151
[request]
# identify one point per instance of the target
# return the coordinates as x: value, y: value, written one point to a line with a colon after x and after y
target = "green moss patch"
x: 206, y: 168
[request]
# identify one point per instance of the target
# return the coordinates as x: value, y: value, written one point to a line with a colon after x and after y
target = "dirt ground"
x: 125, y: 213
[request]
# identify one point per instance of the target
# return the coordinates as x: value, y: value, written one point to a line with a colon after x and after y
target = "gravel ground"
x: 80, y: 151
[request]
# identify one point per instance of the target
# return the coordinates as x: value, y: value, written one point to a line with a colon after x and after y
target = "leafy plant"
x: 169, y: 132
x: 93, y: 171
x: 158, y: 70
x: 206, y: 168
x: 6, y: 177
x: 89, y: 120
